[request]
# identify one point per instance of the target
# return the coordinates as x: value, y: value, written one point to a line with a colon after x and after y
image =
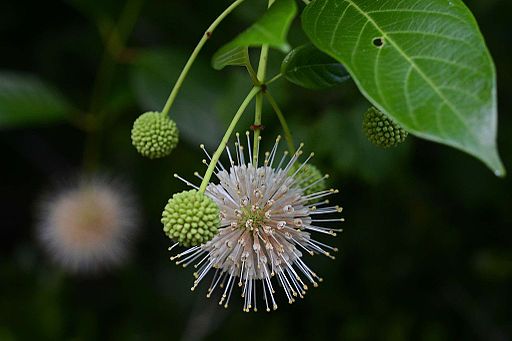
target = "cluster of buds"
x: 381, y: 130
x: 154, y: 135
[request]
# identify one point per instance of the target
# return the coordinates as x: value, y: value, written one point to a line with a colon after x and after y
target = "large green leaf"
x: 310, y: 68
x: 271, y: 29
x: 424, y: 63
x: 26, y: 100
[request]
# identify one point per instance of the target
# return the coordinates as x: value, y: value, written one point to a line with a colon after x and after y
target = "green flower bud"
x: 307, y: 176
x: 191, y: 218
x: 154, y: 135
x: 381, y: 130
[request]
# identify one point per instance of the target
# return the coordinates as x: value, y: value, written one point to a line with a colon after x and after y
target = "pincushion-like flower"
x: 381, y: 130
x: 266, y: 224
x: 154, y: 135
x: 190, y: 218
x: 87, y: 225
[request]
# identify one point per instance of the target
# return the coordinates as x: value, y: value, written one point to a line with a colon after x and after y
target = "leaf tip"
x: 493, y: 161
x: 500, y: 172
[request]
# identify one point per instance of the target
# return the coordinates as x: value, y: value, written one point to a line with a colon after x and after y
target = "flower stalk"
x: 261, y: 74
x: 287, y: 133
x: 215, y: 158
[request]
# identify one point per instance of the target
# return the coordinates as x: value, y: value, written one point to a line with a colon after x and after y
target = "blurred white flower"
x: 88, y: 225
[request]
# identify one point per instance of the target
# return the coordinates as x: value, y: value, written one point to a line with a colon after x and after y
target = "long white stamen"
x: 302, y: 166
x: 173, y: 246
x: 188, y: 183
x: 249, y: 147
x: 285, y: 154
x: 274, y: 151
x: 219, y: 163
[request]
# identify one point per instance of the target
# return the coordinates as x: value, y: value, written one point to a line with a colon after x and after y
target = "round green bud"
x: 154, y: 135
x: 308, y: 175
x: 381, y: 130
x: 191, y: 218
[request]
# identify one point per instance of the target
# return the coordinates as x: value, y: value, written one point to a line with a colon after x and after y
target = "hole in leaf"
x: 378, y: 42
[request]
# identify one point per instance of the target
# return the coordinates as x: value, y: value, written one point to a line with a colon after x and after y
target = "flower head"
x: 190, y: 218
x: 267, y: 221
x: 381, y: 130
x: 87, y: 225
x: 154, y: 135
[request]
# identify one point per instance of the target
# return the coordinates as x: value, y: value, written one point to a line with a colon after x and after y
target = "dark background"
x: 426, y: 253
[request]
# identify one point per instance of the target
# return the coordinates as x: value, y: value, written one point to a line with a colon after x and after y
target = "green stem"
x: 195, y: 53
x: 262, y: 66
x: 215, y: 158
x: 252, y: 73
x: 273, y: 79
x: 287, y: 134
x: 257, y: 127
x: 262, y: 71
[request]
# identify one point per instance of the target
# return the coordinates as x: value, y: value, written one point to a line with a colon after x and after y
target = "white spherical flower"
x: 87, y: 226
x: 267, y: 221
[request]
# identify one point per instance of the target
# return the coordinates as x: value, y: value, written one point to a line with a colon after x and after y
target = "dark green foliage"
x: 312, y: 69
x: 26, y: 100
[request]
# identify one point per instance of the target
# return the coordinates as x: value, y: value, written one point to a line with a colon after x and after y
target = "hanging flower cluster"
x: 250, y: 222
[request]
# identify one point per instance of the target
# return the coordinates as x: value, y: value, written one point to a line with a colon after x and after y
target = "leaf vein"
x: 400, y: 10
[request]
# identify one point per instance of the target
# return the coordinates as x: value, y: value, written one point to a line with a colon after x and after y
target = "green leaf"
x: 310, y: 68
x: 237, y: 56
x: 424, y: 63
x: 26, y: 100
x: 271, y: 29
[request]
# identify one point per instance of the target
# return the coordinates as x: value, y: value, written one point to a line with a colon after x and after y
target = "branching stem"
x: 273, y: 79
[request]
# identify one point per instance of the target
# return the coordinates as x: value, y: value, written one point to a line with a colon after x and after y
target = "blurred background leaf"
x: 26, y: 100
